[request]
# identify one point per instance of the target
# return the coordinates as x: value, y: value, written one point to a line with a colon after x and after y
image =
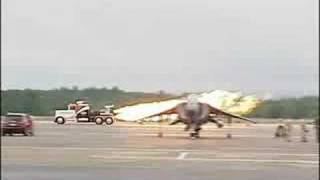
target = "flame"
x: 140, y: 111
x: 232, y: 102
x: 244, y: 106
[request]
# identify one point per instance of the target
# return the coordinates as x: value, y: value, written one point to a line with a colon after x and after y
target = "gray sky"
x: 173, y: 45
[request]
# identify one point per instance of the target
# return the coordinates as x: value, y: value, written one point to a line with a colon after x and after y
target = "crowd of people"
x: 284, y: 130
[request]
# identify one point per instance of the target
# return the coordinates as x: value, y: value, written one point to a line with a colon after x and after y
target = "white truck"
x: 80, y: 112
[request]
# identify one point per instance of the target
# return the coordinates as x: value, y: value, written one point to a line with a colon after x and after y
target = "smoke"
x: 232, y: 102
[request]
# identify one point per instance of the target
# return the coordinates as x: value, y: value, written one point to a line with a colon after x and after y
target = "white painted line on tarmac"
x: 53, y: 134
x: 255, y: 154
x: 255, y: 148
x: 206, y: 135
x: 105, y: 148
x: 287, y: 161
x: 44, y: 122
x: 151, y: 149
x: 182, y: 155
x: 239, y: 126
x: 166, y: 135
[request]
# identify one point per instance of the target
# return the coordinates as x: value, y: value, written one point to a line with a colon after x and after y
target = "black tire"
x: 28, y: 132
x: 31, y: 133
x: 220, y: 125
x: 193, y: 135
x: 196, y: 135
x: 60, y: 120
x: 109, y: 121
x: 98, y: 120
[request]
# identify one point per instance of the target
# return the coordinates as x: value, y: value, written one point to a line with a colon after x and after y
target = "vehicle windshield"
x: 14, y: 117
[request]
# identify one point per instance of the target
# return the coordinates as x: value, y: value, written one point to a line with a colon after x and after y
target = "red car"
x: 17, y: 123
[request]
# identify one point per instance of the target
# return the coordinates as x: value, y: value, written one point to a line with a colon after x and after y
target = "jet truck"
x: 80, y: 111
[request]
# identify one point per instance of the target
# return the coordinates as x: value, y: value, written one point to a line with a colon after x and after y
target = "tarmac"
x: 132, y: 151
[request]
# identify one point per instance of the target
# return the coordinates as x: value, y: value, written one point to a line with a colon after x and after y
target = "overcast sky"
x: 172, y: 45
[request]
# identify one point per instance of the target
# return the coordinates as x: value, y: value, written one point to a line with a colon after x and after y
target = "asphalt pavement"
x: 133, y: 151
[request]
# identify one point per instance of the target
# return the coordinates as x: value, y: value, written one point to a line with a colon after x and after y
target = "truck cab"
x: 80, y: 111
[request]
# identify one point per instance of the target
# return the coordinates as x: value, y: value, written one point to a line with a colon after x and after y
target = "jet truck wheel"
x: 60, y: 120
x: 98, y: 120
x: 109, y: 120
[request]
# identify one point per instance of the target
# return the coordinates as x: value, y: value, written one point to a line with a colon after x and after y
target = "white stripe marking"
x: 182, y: 155
x: 286, y: 161
x: 148, y: 149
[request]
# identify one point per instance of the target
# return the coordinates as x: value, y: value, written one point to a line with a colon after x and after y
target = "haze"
x: 267, y: 46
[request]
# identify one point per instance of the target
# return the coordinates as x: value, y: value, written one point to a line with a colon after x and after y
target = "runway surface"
x: 131, y: 151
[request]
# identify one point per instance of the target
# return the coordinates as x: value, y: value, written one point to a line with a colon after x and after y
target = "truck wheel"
x: 98, y: 120
x: 60, y: 120
x: 109, y: 121
x: 27, y: 132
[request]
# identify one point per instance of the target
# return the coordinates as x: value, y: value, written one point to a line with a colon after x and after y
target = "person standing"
x: 280, y: 130
x: 316, y: 125
x: 288, y: 126
x: 304, y: 132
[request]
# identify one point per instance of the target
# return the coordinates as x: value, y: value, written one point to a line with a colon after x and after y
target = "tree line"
x: 45, y: 102
x: 295, y: 108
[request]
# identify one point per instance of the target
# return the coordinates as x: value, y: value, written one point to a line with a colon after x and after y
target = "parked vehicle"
x: 17, y: 123
x: 80, y: 111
